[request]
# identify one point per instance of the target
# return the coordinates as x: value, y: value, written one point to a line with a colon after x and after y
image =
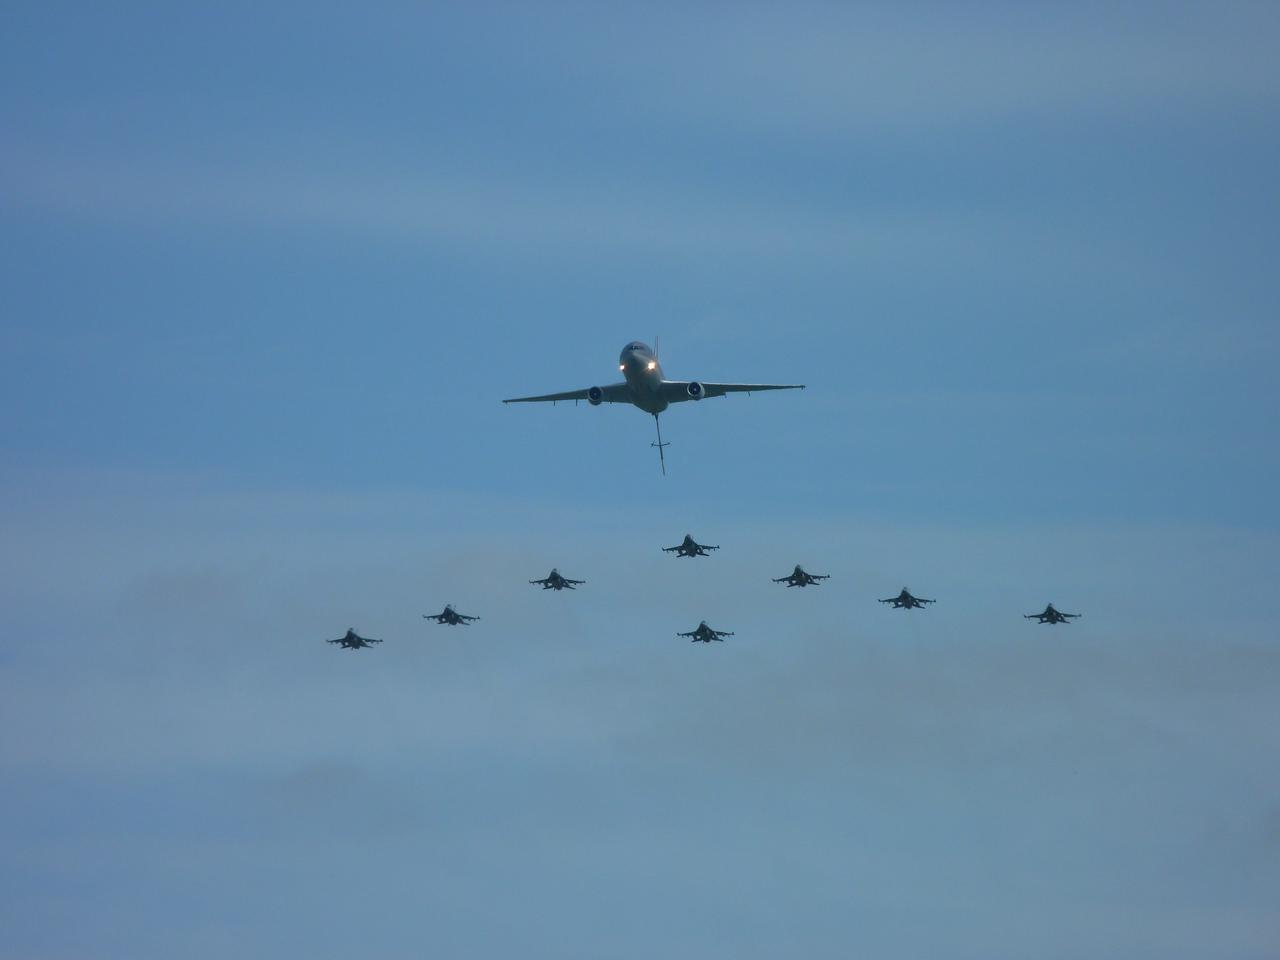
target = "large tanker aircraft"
x: 646, y: 387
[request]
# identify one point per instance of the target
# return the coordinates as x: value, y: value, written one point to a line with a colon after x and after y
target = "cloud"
x: 225, y: 600
x: 832, y: 72
x: 831, y: 771
x: 498, y: 214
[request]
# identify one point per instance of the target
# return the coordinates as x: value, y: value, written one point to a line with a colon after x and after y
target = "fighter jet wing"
x: 614, y: 393
x: 675, y: 391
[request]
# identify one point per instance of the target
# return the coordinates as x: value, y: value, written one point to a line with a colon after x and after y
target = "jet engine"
x: 695, y: 390
x: 595, y: 396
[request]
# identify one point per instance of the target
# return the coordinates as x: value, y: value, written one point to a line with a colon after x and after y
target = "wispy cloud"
x: 838, y: 70
x: 498, y: 213
x: 197, y: 606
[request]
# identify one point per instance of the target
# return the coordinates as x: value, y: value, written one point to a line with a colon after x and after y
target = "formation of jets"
x: 703, y: 633
x: 646, y: 387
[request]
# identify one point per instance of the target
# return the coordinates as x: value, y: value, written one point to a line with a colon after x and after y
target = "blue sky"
x: 266, y: 275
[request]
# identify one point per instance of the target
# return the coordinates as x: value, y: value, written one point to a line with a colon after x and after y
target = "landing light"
x: 652, y: 364
x: 622, y: 366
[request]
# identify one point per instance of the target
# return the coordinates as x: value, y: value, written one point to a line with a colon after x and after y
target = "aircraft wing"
x: 676, y: 391
x: 614, y: 393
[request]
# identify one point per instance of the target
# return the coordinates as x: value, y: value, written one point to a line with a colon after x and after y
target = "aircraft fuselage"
x: 643, y: 374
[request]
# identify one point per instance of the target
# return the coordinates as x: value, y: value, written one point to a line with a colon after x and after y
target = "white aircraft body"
x: 645, y: 386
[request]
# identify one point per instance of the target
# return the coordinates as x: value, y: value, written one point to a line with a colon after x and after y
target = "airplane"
x: 1051, y: 615
x: 689, y: 548
x: 905, y: 601
x: 556, y: 582
x: 798, y: 578
x: 645, y: 386
x: 705, y: 634
x: 353, y: 641
x: 450, y: 616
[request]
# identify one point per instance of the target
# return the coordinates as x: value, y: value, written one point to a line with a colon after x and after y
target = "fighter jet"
x: 645, y: 386
x: 554, y: 581
x: 689, y: 548
x: 705, y: 634
x: 798, y: 578
x: 905, y: 601
x: 353, y: 641
x: 450, y: 616
x: 1051, y: 615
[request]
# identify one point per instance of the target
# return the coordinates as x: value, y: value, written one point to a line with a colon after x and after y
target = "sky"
x: 266, y: 271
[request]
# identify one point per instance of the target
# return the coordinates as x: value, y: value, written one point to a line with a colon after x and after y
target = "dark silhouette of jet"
x: 553, y: 581
x: 798, y: 578
x: 689, y: 548
x: 1051, y: 615
x: 646, y: 386
x: 450, y: 616
x: 905, y: 601
x: 705, y: 634
x: 353, y: 641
